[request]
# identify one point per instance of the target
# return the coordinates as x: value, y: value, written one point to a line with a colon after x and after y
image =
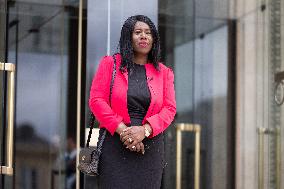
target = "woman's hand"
x: 138, y: 148
x: 131, y: 136
x: 121, y: 126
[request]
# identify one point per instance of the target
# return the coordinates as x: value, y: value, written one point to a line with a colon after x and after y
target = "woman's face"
x: 142, y: 39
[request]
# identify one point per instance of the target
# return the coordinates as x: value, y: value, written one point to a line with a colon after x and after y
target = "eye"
x: 137, y: 32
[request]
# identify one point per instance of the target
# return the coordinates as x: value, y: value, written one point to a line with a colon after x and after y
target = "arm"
x: 99, y: 96
x: 160, y: 121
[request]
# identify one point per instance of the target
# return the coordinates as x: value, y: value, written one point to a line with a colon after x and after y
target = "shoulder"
x: 165, y: 69
x: 105, y: 62
x: 108, y: 60
x: 168, y: 74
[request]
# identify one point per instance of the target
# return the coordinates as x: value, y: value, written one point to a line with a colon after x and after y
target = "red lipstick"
x: 143, y: 44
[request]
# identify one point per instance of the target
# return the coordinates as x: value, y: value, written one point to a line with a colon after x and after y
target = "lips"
x: 143, y: 44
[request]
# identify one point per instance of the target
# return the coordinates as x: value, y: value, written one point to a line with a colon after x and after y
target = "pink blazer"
x: 162, y: 108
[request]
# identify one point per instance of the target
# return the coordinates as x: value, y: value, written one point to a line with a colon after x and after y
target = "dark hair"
x: 125, y: 42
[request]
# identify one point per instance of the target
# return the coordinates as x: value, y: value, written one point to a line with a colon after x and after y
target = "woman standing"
x: 142, y: 106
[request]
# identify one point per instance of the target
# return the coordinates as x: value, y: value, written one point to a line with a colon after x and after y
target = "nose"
x: 143, y: 35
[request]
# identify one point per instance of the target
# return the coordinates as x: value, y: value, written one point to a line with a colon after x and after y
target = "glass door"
x: 40, y: 38
x: 199, y: 46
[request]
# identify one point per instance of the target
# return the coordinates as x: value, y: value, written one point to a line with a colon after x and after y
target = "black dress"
x: 120, y: 168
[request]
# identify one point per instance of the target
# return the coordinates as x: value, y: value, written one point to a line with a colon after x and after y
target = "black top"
x: 138, y: 94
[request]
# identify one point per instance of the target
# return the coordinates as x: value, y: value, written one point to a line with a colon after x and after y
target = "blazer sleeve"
x: 160, y: 121
x: 99, y: 96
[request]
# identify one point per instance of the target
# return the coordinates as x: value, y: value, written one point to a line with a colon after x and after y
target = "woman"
x: 142, y: 106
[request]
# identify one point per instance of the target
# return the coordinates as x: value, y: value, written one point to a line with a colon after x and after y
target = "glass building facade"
x: 227, y: 57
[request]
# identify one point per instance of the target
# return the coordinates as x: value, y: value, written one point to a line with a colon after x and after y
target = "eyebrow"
x: 142, y: 29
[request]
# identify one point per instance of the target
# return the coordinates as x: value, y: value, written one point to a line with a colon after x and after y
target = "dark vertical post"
x: 231, y: 105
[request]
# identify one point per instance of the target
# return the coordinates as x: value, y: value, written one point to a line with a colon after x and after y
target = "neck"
x: 140, y: 59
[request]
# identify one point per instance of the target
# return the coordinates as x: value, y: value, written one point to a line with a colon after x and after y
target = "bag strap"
x: 92, y: 117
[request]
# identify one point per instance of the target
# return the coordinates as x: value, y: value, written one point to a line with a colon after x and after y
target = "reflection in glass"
x: 195, y: 46
x: 39, y: 44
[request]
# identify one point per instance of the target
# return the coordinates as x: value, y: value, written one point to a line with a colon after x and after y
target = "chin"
x: 144, y: 52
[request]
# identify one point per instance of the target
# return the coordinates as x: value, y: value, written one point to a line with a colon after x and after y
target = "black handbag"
x: 89, y: 156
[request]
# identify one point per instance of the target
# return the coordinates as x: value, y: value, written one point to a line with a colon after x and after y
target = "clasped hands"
x: 132, y: 137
